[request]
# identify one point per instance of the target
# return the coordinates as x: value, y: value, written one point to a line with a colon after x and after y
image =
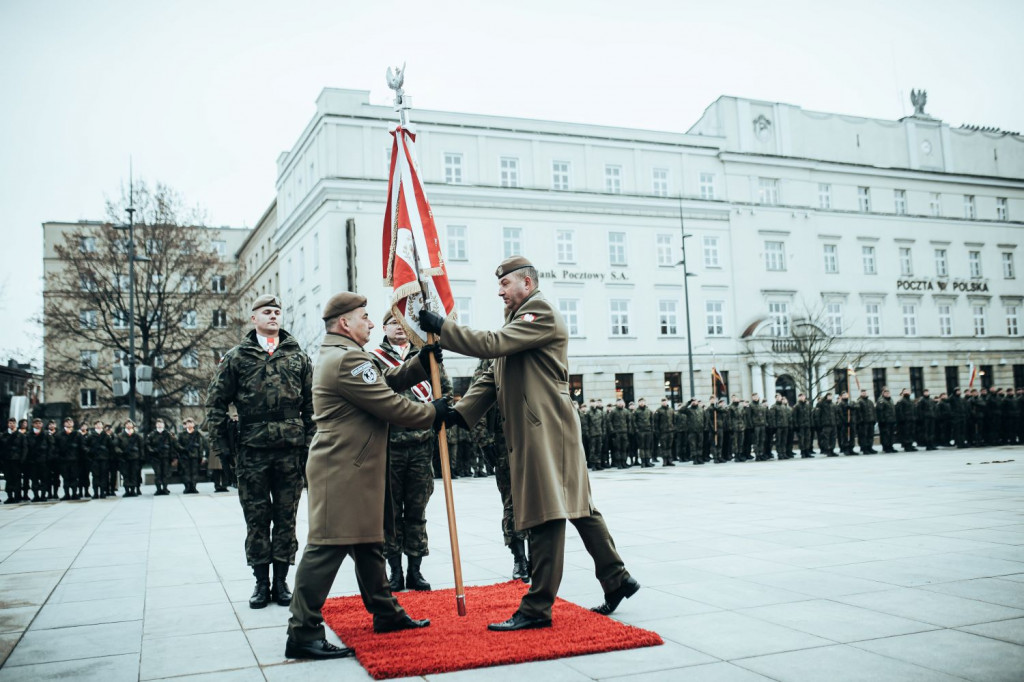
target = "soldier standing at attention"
x: 905, y: 421
x: 847, y: 424
x: 160, y: 446
x: 737, y: 425
x: 133, y: 450
x: 885, y: 412
x: 664, y: 425
x: 99, y: 446
x: 595, y: 457
x: 410, y: 451
x: 866, y: 423
x: 618, y: 422
x: 13, y: 461
x: 40, y: 443
x: 644, y: 421
x: 192, y: 449
x: 68, y: 441
x: 958, y: 416
x: 530, y: 383
x: 269, y: 379
x: 779, y: 418
x: 349, y: 498
x: 758, y: 414
x: 926, y: 417
x: 802, y: 426
x: 826, y: 420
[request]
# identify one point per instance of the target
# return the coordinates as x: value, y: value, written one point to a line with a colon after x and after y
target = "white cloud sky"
x: 205, y: 95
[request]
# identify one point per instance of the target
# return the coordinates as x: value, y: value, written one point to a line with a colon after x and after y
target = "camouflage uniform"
x: 866, y: 424
x: 192, y: 448
x: 643, y: 422
x: 846, y: 415
x: 67, y: 445
x: 885, y: 412
x: 133, y: 450
x: 758, y: 417
x: 99, y: 446
x: 13, y: 462
x: 618, y: 422
x: 737, y: 425
x: 161, y: 448
x: 905, y: 418
x: 802, y: 427
x: 273, y: 394
x: 595, y: 453
x: 39, y: 446
x: 664, y: 425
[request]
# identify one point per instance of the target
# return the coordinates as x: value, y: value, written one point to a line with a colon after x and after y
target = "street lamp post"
x: 131, y: 300
x: 686, y: 297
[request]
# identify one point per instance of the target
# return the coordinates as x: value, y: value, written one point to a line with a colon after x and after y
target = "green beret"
x: 511, y: 265
x: 343, y: 303
x: 267, y: 301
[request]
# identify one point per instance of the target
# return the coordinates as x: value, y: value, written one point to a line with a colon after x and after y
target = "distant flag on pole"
x: 851, y: 373
x: 716, y: 380
x: 972, y: 370
x: 413, y: 263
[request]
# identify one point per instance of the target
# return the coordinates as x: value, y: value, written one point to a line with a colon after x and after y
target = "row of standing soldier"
x: 89, y: 462
x: 619, y: 436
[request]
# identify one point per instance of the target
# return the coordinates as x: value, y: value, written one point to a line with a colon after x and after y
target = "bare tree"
x: 813, y: 350
x: 185, y: 305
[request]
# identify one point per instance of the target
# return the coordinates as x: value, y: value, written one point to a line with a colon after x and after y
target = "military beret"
x: 511, y: 265
x: 388, y: 315
x: 343, y: 303
x: 267, y: 301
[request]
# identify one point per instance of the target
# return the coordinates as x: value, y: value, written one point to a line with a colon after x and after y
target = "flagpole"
x: 402, y: 104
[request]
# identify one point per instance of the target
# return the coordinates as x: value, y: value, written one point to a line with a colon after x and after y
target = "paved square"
x: 895, y: 567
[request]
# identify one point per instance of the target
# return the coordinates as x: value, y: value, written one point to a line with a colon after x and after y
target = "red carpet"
x: 460, y: 643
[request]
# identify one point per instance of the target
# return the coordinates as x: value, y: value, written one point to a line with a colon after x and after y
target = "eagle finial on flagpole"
x: 395, y: 80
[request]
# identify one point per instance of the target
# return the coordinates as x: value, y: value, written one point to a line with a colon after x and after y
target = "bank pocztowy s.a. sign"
x: 948, y: 286
x: 575, y: 276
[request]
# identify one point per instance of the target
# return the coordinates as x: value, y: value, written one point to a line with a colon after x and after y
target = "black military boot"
x: 279, y: 591
x: 261, y: 595
x: 396, y: 579
x: 413, y: 578
x: 521, y: 567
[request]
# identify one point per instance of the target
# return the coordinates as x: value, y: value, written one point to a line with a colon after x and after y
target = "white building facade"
x: 903, y: 235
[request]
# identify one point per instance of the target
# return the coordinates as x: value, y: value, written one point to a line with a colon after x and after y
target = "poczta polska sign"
x: 946, y: 286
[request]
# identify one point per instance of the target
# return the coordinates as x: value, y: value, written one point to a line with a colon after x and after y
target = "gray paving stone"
x: 192, y: 620
x: 70, y: 614
x: 1007, y: 630
x: 17, y: 619
x: 734, y: 593
x: 727, y: 635
x: 835, y: 621
x: 711, y: 672
x: 931, y: 607
x: 7, y: 642
x: 121, y: 668
x: 668, y: 656
x: 992, y: 590
x: 953, y: 652
x: 193, y: 654
x: 70, y: 644
x: 838, y: 664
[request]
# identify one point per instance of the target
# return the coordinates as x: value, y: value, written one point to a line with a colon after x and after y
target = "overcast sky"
x: 204, y: 95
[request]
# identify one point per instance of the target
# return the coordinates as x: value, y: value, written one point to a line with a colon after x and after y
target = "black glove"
x: 455, y: 419
x: 425, y: 353
x: 442, y: 412
x: 430, y: 322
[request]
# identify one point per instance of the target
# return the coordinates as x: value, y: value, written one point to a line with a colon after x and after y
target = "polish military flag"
x: 851, y: 373
x: 716, y: 380
x: 972, y: 369
x: 414, y: 267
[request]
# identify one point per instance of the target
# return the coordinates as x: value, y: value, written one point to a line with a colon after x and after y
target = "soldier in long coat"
x: 354, y: 400
x: 530, y: 383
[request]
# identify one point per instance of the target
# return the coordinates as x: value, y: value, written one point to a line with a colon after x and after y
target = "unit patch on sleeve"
x: 368, y: 371
x: 528, y: 317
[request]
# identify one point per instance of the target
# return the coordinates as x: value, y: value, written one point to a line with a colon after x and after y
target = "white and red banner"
x: 421, y: 390
x: 412, y: 250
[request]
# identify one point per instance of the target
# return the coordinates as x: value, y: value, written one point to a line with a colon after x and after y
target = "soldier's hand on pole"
x: 431, y: 322
x: 425, y: 353
x: 453, y: 418
x: 442, y: 410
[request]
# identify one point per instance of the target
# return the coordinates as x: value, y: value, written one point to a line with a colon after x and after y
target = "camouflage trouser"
x: 804, y: 440
x: 737, y: 443
x: 847, y: 432
x: 714, y: 442
x: 99, y: 475
x: 498, y: 460
x: 679, y: 448
x: 665, y: 444
x: 694, y: 442
x: 269, y: 489
x: 113, y: 474
x: 959, y: 433
x: 188, y: 471
x: 412, y: 483
x: 644, y: 441
x: 595, y: 457
x: 130, y: 469
x: 928, y: 433
x: 866, y: 436
x: 161, y: 469
x: 827, y: 439
x: 757, y: 440
x: 620, y: 441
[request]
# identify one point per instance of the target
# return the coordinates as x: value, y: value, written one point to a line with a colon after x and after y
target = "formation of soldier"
x: 620, y: 436
x: 94, y: 461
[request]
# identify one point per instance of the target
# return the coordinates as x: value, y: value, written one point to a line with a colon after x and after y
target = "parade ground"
x: 883, y: 567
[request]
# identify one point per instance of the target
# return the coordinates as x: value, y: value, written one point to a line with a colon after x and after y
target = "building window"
x: 190, y: 396
x: 464, y: 310
x: 917, y: 381
x: 316, y: 251
x: 970, y: 210
x: 87, y: 397
x: 288, y: 274
x: 945, y: 319
x: 159, y: 361
x: 87, y: 244
x: 565, y: 246
x: 1002, y: 209
x: 190, y: 319
x: 665, y: 250
x: 509, y: 171
x: 986, y: 376
x: 119, y: 318
x: 900, y: 201
x: 613, y: 179
x: 1012, y: 325
x: 560, y: 175
x: 668, y: 317
x: 660, y: 182
x: 778, y: 311
x: 220, y: 319
x: 220, y: 247
x: 834, y: 318
x: 830, y: 252
x: 775, y: 256
x: 154, y: 246
x: 872, y: 319
x: 570, y: 310
x: 824, y: 195
x: 909, y: 319
x: 715, y: 316
x: 190, y: 360
x: 457, y: 242
x: 88, y: 319
x: 188, y: 285
x: 674, y: 388
x: 710, y: 252
x: 453, y: 168
x: 974, y: 264
x: 512, y: 241
x: 978, y: 313
x: 619, y: 317
x: 952, y: 373
x: 935, y: 204
x: 219, y: 284
x: 624, y: 387
x: 120, y: 357
x: 707, y: 185
x: 867, y: 256
x: 878, y: 380
x: 1009, y: 272
x: 941, y: 263
x: 864, y: 199
x: 86, y: 282
x: 768, y: 191
x: 89, y: 359
x: 906, y: 262
x: 617, y: 248
x: 302, y: 264
x: 576, y: 388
